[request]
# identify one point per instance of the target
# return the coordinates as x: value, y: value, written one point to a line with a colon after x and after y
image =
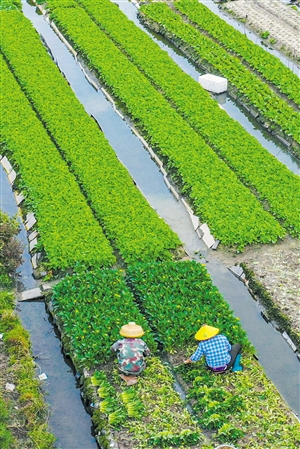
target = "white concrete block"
x: 32, y: 244
x: 195, y: 221
x: 167, y: 182
x: 30, y: 223
x: 6, y: 164
x: 174, y: 192
x: 19, y: 198
x: 29, y: 216
x: 204, y: 228
x: 213, y: 83
x: 12, y: 177
x: 34, y: 261
x: 208, y: 240
x: 33, y: 235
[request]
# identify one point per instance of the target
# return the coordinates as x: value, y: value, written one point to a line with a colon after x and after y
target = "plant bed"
x: 192, y: 163
x: 68, y: 231
x: 89, y: 309
x: 254, y: 166
x: 274, y: 311
x: 202, y: 49
x: 234, y: 406
x: 270, y: 67
x: 131, y: 225
x: 176, y: 298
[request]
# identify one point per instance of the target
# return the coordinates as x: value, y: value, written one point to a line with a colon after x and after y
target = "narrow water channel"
x: 275, y: 356
x: 232, y: 108
x: 215, y: 8
x: 68, y: 420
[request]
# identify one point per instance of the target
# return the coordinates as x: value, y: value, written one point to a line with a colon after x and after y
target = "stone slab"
x: 34, y: 261
x: 208, y: 240
x: 12, y: 177
x: 19, y: 198
x: 167, y: 182
x: 215, y: 245
x: 33, y: 235
x: 34, y: 293
x: 289, y: 341
x: 6, y: 164
x: 237, y: 271
x: 195, y: 221
x: 30, y: 223
x: 174, y: 192
x: 32, y: 244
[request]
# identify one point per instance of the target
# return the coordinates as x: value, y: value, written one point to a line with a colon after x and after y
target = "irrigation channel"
x: 236, y: 111
x: 69, y: 422
x: 215, y: 8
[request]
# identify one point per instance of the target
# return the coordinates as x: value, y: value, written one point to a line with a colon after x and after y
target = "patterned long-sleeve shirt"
x: 131, y: 353
x: 216, y: 351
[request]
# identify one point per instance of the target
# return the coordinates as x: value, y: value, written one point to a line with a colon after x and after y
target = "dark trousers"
x: 235, y: 350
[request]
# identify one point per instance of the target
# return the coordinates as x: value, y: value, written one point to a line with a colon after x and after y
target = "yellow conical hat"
x: 132, y: 330
x: 205, y: 332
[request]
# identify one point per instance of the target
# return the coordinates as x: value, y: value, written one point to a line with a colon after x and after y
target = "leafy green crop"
x: 178, y: 298
x: 232, y: 212
x: 204, y: 49
x: 93, y: 306
x: 255, y: 166
x: 132, y: 226
x: 271, y: 68
x: 68, y: 230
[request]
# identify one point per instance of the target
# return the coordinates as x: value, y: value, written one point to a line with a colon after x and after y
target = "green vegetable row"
x: 182, y: 300
x: 232, y: 212
x: 270, y: 67
x: 176, y: 297
x: 258, y: 93
x: 68, y: 230
x: 255, y: 166
x: 151, y: 410
x: 131, y: 225
x: 91, y: 307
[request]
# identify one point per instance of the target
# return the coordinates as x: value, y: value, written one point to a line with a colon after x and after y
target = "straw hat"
x: 205, y: 332
x: 131, y: 330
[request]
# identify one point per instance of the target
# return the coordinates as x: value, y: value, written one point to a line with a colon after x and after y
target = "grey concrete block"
x: 34, y: 293
x: 237, y: 271
x: 289, y: 341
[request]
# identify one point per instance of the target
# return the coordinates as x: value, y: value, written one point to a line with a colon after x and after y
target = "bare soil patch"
x: 277, y: 268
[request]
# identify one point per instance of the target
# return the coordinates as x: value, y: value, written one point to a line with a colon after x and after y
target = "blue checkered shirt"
x: 216, y: 351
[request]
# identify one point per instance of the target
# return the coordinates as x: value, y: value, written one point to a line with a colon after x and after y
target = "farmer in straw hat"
x: 219, y: 354
x: 131, y: 351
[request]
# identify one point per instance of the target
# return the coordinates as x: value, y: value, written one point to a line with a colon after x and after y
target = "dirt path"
x: 272, y: 16
x: 277, y: 268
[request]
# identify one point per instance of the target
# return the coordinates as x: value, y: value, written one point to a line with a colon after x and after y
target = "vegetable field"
x: 118, y: 261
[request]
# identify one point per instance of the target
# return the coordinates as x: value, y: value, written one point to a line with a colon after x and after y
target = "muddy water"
x: 68, y: 420
x: 275, y: 356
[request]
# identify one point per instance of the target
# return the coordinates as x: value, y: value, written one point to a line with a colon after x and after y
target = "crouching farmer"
x: 131, y: 352
x: 220, y: 355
